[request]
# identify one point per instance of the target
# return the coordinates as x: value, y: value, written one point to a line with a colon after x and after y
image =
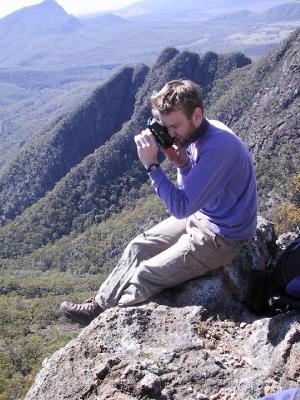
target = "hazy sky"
x: 75, y: 7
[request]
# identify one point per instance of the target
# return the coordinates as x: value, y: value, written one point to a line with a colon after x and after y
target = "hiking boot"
x: 83, y: 313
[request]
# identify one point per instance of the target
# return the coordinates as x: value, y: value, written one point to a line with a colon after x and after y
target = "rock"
x: 285, y: 239
x: 201, y: 396
x: 151, y: 384
x: 253, y: 256
x: 195, y: 341
x: 9, y: 288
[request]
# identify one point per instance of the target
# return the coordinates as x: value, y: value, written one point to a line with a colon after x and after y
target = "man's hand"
x: 146, y: 148
x: 177, y: 155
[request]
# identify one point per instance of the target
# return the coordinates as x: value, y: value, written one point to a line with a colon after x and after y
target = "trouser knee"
x: 141, y: 247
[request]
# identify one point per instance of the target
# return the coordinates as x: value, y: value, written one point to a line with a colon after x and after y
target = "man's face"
x: 180, y: 127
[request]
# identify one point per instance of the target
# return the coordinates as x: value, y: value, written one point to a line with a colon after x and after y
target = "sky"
x: 74, y: 7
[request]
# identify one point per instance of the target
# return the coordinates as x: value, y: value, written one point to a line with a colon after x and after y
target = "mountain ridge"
x: 156, y: 10
x: 64, y: 146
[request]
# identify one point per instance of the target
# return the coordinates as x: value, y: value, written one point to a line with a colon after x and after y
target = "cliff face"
x: 261, y: 103
x: 195, y: 341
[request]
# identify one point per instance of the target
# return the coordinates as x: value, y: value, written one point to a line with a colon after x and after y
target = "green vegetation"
x: 32, y: 287
x: 98, y: 248
x: 26, y: 111
x: 275, y: 177
x: 31, y: 327
x: 287, y: 214
x: 39, y: 166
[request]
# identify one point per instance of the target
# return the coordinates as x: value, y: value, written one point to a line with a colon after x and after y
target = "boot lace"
x: 88, y: 305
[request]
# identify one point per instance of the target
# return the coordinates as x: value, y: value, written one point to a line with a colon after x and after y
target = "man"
x: 213, y: 208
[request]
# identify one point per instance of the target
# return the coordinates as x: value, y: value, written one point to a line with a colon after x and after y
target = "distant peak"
x: 52, y: 2
x: 49, y: 4
x: 165, y: 56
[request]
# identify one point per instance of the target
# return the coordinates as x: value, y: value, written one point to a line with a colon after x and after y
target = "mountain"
x: 46, y: 160
x: 44, y: 35
x: 41, y: 19
x: 50, y: 60
x: 107, y: 19
x: 95, y: 187
x: 190, y: 9
x: 286, y: 11
x: 31, y: 100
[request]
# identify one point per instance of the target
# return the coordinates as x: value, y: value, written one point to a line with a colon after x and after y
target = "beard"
x: 192, y: 136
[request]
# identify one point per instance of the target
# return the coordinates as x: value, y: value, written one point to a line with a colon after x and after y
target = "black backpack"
x: 267, y: 290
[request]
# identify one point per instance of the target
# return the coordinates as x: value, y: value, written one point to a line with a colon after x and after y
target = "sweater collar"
x: 199, y: 132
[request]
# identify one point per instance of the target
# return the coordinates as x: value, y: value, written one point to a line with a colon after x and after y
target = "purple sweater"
x: 218, y: 185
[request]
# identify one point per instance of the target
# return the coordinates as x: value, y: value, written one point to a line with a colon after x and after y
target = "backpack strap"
x: 291, y: 261
x: 293, y: 287
x: 286, y: 267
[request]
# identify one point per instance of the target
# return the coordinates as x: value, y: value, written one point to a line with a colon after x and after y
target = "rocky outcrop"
x: 196, y: 341
x: 162, y: 352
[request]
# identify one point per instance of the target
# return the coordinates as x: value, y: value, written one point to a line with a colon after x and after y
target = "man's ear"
x: 197, y: 115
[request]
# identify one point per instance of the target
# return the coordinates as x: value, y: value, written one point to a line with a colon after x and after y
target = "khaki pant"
x: 170, y: 253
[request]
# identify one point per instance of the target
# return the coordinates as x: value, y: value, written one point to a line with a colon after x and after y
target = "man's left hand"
x: 177, y: 155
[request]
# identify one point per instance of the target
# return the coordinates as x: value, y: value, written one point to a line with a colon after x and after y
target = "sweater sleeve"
x: 201, y: 185
x: 182, y: 173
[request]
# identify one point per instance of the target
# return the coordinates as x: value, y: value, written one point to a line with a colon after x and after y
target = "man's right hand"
x: 146, y: 148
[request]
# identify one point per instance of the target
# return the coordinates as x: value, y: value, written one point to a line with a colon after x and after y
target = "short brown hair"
x: 178, y: 94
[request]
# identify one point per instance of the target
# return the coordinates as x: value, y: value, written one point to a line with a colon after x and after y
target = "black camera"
x: 160, y: 133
